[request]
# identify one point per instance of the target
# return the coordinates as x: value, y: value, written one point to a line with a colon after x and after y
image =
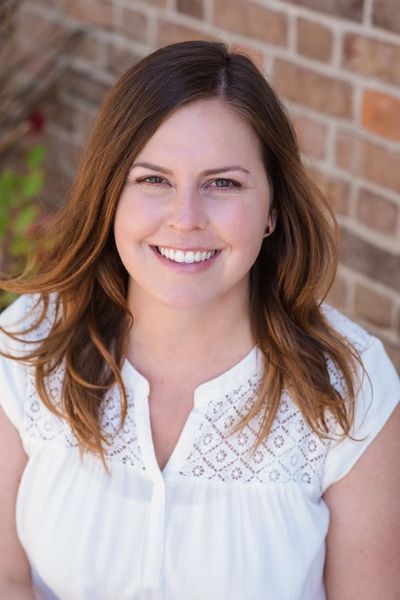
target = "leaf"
x: 19, y: 246
x: 9, y: 188
x: 35, y: 156
x: 6, y: 298
x: 24, y: 219
x: 32, y: 184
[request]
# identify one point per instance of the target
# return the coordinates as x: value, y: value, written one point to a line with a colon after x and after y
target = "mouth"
x: 186, y: 256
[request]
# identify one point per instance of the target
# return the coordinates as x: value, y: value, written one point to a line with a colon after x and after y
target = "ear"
x: 271, y: 223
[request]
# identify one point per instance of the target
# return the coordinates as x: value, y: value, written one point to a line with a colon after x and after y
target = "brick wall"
x: 335, y: 62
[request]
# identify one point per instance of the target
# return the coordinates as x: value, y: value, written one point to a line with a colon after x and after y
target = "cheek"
x: 134, y: 219
x: 245, y: 225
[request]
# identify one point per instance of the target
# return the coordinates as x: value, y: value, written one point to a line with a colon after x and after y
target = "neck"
x: 200, y: 343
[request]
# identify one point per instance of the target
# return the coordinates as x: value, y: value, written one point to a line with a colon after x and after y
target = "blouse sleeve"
x: 378, y: 396
x: 12, y: 372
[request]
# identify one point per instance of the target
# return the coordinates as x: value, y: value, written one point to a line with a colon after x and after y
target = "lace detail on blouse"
x: 292, y: 453
x: 45, y: 426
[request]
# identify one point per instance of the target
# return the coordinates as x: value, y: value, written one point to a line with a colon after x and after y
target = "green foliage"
x: 19, y: 213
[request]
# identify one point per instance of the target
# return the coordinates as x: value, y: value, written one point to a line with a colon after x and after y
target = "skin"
x: 363, y: 543
x: 196, y: 322
x: 14, y: 568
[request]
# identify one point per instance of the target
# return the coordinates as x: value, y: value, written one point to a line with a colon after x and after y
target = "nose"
x: 187, y: 210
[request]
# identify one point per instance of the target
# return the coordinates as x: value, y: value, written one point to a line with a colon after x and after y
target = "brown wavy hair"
x: 78, y: 260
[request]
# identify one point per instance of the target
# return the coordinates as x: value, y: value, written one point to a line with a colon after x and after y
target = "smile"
x: 181, y: 256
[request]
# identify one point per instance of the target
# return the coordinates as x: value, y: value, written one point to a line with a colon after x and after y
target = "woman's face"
x: 194, y: 209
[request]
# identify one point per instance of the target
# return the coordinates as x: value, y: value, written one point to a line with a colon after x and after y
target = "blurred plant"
x: 21, y: 215
x: 21, y: 212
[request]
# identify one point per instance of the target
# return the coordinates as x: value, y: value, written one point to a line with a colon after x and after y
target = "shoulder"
x: 354, y: 333
x: 22, y: 318
x: 377, y: 395
x: 18, y: 335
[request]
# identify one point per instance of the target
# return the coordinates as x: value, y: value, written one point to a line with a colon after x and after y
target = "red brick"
x: 56, y: 110
x: 95, y: 12
x: 83, y: 86
x: 119, y: 58
x: 335, y: 190
x: 386, y: 14
x: 368, y: 160
x: 311, y: 135
x: 37, y: 28
x: 347, y: 9
x: 255, y: 55
x: 193, y: 8
x: 373, y: 306
x: 393, y: 351
x: 251, y: 19
x: 156, y: 3
x: 314, y: 40
x: 170, y: 33
x: 84, y: 119
x: 87, y: 48
x: 374, y: 262
x: 377, y: 212
x: 338, y: 293
x: 135, y: 24
x: 308, y: 88
x: 372, y: 58
x: 381, y: 114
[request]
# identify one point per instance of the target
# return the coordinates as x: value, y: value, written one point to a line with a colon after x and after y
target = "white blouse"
x: 216, y: 523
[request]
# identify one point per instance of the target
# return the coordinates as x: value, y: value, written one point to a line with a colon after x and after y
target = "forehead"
x: 207, y: 125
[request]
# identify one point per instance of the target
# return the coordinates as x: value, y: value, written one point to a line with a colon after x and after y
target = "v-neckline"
x: 203, y: 394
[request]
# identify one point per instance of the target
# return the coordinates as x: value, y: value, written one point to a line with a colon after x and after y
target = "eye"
x: 152, y: 180
x: 222, y: 183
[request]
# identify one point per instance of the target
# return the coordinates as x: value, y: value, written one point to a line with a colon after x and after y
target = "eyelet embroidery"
x: 292, y: 452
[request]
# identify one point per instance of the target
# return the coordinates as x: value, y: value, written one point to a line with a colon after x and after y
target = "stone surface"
x: 374, y: 162
x: 374, y: 262
x: 377, y: 212
x: 372, y: 58
x: 346, y: 9
x: 309, y: 88
x: 314, y: 40
x: 386, y: 14
x: 251, y: 19
x: 381, y: 114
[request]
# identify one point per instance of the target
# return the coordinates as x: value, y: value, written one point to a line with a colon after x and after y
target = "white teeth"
x: 180, y: 256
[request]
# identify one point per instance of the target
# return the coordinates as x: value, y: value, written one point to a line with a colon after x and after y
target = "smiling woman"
x: 183, y: 416
x: 198, y: 227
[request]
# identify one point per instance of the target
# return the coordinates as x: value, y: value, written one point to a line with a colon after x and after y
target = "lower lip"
x: 194, y: 267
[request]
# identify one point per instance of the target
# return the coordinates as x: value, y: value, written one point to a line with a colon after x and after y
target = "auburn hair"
x: 77, y: 260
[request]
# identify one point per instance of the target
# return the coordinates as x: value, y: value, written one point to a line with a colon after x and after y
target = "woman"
x: 183, y: 417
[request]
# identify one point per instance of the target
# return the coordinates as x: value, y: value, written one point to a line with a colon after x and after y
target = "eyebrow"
x: 207, y: 172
